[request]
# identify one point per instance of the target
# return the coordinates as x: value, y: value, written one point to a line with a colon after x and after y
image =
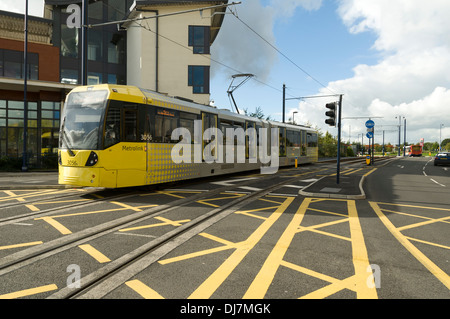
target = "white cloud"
x: 237, y: 46
x: 411, y: 79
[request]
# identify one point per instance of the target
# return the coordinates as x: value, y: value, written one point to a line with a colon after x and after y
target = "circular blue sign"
x: 369, y: 134
x: 370, y: 124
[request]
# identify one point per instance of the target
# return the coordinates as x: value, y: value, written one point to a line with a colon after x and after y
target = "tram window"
x: 187, y: 121
x: 303, y: 143
x: 293, y: 139
x: 311, y: 139
x: 164, y: 127
x: 130, y: 125
x: 112, y: 128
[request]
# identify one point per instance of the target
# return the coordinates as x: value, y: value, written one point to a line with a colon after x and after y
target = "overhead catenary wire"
x: 282, y: 54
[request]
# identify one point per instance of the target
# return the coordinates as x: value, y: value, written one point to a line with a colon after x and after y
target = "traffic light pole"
x: 339, y: 141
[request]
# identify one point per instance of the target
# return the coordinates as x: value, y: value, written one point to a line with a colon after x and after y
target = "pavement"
x: 349, y: 187
x: 30, y: 180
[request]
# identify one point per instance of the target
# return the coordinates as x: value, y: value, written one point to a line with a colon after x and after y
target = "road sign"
x: 370, y: 124
x: 369, y: 134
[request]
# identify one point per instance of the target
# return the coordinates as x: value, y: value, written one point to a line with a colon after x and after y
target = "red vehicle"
x: 416, y: 150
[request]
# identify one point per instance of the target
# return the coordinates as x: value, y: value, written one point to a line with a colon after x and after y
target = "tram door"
x: 209, y: 121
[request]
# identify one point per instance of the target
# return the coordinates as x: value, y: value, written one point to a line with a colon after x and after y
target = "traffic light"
x: 331, y: 114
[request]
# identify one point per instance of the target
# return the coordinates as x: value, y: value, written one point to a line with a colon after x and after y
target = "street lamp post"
x: 404, y: 140
x: 293, y: 117
x: 399, y: 132
x: 440, y: 137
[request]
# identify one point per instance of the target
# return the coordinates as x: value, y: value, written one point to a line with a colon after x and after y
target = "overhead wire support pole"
x: 339, y: 141
x: 84, y: 40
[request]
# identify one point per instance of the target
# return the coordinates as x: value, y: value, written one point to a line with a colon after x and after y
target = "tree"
x: 446, y: 147
x: 259, y: 114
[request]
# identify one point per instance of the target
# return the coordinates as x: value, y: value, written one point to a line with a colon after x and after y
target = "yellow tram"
x: 120, y: 136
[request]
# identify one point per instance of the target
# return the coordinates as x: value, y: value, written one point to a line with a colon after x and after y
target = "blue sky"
x: 388, y: 58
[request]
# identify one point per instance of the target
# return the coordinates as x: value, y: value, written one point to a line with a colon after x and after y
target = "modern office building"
x: 168, y: 52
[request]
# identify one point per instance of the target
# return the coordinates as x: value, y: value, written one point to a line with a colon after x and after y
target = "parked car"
x: 442, y: 158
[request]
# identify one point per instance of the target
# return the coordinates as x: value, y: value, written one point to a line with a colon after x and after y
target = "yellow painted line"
x: 143, y: 290
x: 260, y: 285
x: 313, y: 229
x: 170, y: 194
x: 428, y: 243
x: 313, y: 172
x: 437, y: 220
x: 32, y: 208
x: 95, y: 253
x: 57, y: 225
x: 27, y: 195
x: 88, y: 213
x: 360, y: 257
x: 354, y: 171
x: 65, y: 201
x: 197, y: 254
x: 367, y: 174
x: 435, y: 270
x: 21, y: 245
x: 29, y: 292
x: 127, y: 206
x: 414, y: 206
x: 165, y: 222
x: 217, y: 239
x: 205, y: 201
x: 336, y: 284
x: 327, y: 212
x: 347, y: 283
x: 171, y: 222
x: 210, y: 285
x: 15, y: 196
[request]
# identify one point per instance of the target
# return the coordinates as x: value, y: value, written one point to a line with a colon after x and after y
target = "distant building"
x: 169, y: 54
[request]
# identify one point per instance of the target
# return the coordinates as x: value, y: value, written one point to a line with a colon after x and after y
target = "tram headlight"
x: 92, y: 159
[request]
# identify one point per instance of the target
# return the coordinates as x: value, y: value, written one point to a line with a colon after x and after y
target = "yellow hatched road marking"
x: 367, y: 174
x: 95, y: 253
x: 127, y: 206
x: 360, y: 256
x: 57, y: 225
x: 354, y: 171
x: 358, y: 282
x: 21, y: 245
x: 32, y: 208
x: 437, y: 220
x: 29, y: 292
x: 432, y: 267
x: 210, y: 285
x: 144, y: 290
x: 260, y: 285
x: 22, y: 197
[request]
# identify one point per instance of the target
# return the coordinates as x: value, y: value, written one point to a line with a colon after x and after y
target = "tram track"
x: 104, y: 280
x: 55, y: 210
x: 30, y: 255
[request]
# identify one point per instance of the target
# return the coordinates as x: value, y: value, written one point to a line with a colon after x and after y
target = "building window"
x: 199, y: 39
x: 198, y: 78
x: 11, y: 64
